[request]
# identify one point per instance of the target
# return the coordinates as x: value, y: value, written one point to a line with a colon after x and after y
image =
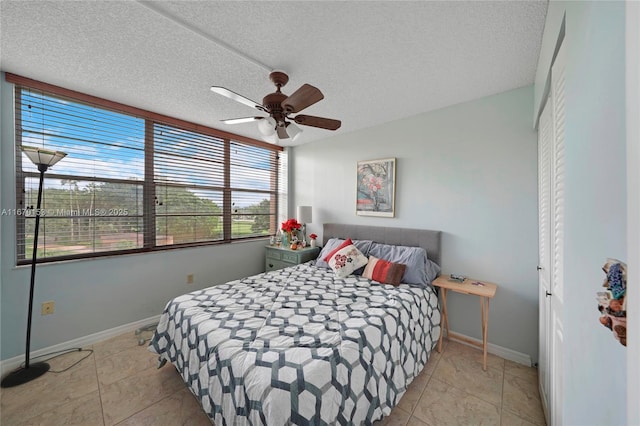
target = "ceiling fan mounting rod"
x: 279, y: 78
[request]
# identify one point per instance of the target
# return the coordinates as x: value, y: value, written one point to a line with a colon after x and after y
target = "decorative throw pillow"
x: 384, y: 271
x: 345, y: 243
x: 346, y: 260
x: 420, y: 270
x: 332, y: 245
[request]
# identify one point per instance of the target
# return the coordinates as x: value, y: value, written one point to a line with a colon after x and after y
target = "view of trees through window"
x: 107, y: 196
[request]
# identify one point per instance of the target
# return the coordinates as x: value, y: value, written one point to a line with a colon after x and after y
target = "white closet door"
x: 545, y: 142
x: 551, y: 216
x: 557, y: 237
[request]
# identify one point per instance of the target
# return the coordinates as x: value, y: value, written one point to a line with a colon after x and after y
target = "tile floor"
x: 119, y: 384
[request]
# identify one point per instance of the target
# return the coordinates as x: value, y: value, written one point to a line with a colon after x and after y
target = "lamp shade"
x: 304, y: 214
x: 293, y: 130
x: 43, y: 157
x: 273, y: 139
x: 267, y: 126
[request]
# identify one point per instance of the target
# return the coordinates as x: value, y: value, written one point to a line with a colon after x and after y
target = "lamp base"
x: 24, y: 375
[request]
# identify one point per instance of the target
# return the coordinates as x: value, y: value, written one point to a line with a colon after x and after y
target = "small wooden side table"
x: 483, y: 289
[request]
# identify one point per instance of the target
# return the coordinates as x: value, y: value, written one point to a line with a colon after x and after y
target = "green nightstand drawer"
x: 290, y: 257
x: 273, y: 254
x: 272, y: 265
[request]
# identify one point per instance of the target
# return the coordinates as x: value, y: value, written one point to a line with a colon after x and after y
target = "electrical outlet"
x: 48, y: 307
x: 190, y: 279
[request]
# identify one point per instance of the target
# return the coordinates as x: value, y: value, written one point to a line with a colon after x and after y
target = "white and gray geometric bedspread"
x: 299, y: 346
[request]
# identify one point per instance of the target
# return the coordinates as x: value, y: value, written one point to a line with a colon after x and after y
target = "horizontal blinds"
x: 92, y: 198
x: 189, y: 183
x: 99, y: 143
x: 130, y: 183
x: 253, y: 189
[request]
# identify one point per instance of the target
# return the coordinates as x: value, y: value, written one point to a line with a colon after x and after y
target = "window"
x: 133, y: 180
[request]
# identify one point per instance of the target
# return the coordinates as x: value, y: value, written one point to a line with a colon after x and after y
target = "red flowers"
x: 313, y: 236
x: 291, y: 225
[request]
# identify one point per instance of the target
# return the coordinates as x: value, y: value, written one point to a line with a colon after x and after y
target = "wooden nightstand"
x: 485, y: 291
x: 280, y: 257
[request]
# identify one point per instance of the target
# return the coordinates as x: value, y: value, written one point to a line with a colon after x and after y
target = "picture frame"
x: 376, y: 187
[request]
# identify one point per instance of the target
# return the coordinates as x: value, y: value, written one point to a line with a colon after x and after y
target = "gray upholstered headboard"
x: 427, y: 239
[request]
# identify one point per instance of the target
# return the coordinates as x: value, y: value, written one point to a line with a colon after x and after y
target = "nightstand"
x: 280, y: 257
x: 483, y: 289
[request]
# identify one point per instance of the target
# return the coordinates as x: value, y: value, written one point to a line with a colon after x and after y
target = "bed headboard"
x: 427, y: 239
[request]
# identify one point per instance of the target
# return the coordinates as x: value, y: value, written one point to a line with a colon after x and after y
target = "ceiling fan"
x: 279, y: 107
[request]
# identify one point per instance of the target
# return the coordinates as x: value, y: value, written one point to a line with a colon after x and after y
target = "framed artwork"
x: 376, y: 188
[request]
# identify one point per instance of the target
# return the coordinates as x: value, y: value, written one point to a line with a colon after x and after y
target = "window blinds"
x: 135, y: 182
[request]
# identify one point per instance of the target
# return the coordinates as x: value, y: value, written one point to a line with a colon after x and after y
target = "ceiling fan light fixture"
x: 272, y: 139
x: 293, y: 130
x: 267, y: 126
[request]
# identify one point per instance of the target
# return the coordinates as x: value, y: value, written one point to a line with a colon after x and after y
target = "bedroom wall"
x: 97, y: 295
x: 595, y: 205
x: 469, y: 170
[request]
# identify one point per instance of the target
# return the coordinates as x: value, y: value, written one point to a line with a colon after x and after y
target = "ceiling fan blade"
x: 305, y: 96
x: 241, y: 120
x: 282, y: 132
x: 323, y: 123
x: 236, y: 97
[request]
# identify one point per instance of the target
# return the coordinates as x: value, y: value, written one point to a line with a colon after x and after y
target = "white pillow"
x: 333, y: 243
x: 346, y: 260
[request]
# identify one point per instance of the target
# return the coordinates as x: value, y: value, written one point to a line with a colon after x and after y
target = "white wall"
x: 97, y: 295
x: 469, y: 170
x: 633, y: 205
x: 595, y: 195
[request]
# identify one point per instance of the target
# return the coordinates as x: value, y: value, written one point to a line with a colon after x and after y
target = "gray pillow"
x: 333, y: 243
x: 420, y: 270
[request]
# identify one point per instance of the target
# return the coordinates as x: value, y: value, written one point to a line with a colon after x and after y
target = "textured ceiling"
x: 374, y: 61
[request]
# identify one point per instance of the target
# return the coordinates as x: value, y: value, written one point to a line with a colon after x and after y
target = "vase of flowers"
x: 312, y: 243
x: 289, y: 227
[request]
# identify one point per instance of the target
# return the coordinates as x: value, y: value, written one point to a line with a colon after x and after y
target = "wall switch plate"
x: 190, y: 279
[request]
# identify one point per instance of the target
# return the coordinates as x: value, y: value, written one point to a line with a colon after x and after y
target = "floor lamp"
x: 43, y: 159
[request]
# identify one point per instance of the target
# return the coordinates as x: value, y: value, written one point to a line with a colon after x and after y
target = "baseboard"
x: 10, y: 364
x: 511, y: 355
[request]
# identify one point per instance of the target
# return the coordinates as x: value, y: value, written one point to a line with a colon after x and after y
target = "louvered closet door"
x: 545, y: 143
x: 557, y: 238
x: 551, y: 217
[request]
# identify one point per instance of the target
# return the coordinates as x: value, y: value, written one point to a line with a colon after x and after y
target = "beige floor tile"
x: 181, y: 408
x: 116, y: 344
x: 47, y: 393
x: 472, y: 353
x: 80, y: 412
x: 127, y: 396
x: 433, y: 361
x: 398, y: 417
x: 443, y: 405
x: 510, y: 419
x: 413, y: 393
x: 125, y: 363
x: 422, y: 379
x: 414, y: 421
x: 68, y: 360
x: 521, y: 397
x: 516, y: 369
x: 465, y: 373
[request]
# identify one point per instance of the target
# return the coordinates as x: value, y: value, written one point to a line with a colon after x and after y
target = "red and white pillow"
x: 384, y: 271
x: 345, y: 259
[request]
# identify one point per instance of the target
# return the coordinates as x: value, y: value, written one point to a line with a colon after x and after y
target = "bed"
x: 300, y: 345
